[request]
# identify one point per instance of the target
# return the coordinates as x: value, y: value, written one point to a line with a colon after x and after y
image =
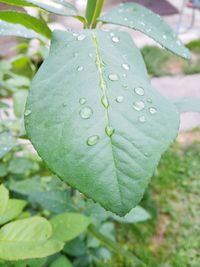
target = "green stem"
x: 90, y: 9
x: 97, y: 13
x: 113, y: 246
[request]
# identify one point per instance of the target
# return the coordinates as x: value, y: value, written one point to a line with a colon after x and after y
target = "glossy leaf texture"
x: 27, y: 21
x: 58, y: 7
x: 139, y: 18
x: 94, y: 118
x: 188, y: 104
x: 26, y: 239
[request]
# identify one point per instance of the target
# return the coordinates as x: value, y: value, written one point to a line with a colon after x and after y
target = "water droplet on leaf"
x: 80, y: 68
x: 82, y: 101
x: 125, y: 66
x: 86, y: 113
x: 93, y: 140
x: 113, y: 77
x: 115, y: 39
x: 139, y: 105
x: 104, y: 101
x: 119, y: 99
x: 142, y: 119
x: 139, y: 91
x: 109, y: 130
x: 153, y: 110
x: 81, y: 37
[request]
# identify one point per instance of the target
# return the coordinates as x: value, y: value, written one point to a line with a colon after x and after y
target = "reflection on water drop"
x: 115, y: 39
x: 80, y: 68
x: 113, y: 77
x: 82, y: 101
x: 125, y: 66
x: 93, y: 140
x: 27, y: 112
x: 109, y: 130
x: 138, y: 105
x: 86, y: 113
x: 81, y: 37
x: 153, y: 110
x: 119, y: 99
x: 142, y: 119
x: 139, y: 91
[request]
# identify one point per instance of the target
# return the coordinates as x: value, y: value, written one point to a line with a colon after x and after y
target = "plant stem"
x: 90, y: 9
x: 113, y: 246
x: 97, y: 13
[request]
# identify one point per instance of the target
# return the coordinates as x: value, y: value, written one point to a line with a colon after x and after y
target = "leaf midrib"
x: 103, y: 86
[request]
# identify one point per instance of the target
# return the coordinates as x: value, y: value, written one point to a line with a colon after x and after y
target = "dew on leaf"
x: 109, y: 130
x: 119, y: 99
x: 139, y: 91
x: 80, y: 68
x: 138, y: 105
x: 93, y: 140
x: 113, y: 77
x: 149, y: 100
x: 86, y: 113
x: 81, y: 37
x: 104, y: 101
x: 153, y: 110
x: 82, y: 101
x: 27, y: 112
x: 142, y: 119
x: 125, y: 66
x: 115, y: 39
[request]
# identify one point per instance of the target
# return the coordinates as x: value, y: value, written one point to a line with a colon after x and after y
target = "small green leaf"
x: 17, y: 250
x: 19, y: 101
x: 188, y: 104
x: 4, y: 196
x: 67, y: 226
x: 7, y: 143
x: 138, y: 214
x: 107, y: 127
x: 55, y: 6
x: 14, y: 208
x: 142, y: 19
x: 26, y: 21
x: 62, y: 261
x: 31, y: 229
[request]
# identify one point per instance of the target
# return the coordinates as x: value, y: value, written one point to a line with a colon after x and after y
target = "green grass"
x: 160, y: 62
x: 172, y: 237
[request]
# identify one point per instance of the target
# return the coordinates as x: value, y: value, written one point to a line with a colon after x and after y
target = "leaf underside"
x: 112, y: 165
x: 138, y: 17
x: 187, y: 104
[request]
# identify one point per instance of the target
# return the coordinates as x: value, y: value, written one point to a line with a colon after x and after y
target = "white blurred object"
x: 81, y: 4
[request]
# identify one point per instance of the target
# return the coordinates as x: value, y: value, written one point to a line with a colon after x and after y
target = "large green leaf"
x: 26, y: 21
x: 67, y: 226
x: 59, y: 7
x: 14, y: 208
x: 188, y: 104
x: 7, y: 143
x: 108, y: 151
x: 4, y: 196
x: 28, y: 238
x: 142, y: 19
